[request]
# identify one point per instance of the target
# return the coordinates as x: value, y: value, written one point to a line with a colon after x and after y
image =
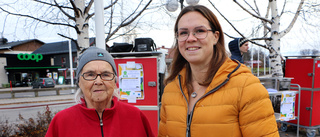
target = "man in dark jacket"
x: 237, y: 47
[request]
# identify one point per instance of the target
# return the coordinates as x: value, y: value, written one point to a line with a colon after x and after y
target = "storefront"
x: 22, y: 62
x: 23, y: 68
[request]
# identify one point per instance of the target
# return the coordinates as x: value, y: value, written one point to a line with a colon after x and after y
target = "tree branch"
x: 133, y: 19
x: 262, y: 38
x: 255, y: 43
x: 75, y: 9
x: 105, y: 8
x: 257, y: 12
x: 50, y: 4
x: 28, y: 16
x: 65, y: 13
x: 259, y: 17
x: 110, y: 27
x: 75, y: 41
x: 266, y: 28
x: 226, y: 19
x: 283, y: 33
x: 86, y: 9
x: 284, y: 5
x: 257, y: 8
x: 125, y: 33
x: 145, y: 7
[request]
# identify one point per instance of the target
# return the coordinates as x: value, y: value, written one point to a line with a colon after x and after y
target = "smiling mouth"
x: 193, y: 48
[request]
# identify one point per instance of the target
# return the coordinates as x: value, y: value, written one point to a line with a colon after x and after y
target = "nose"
x: 98, y: 80
x: 191, y: 37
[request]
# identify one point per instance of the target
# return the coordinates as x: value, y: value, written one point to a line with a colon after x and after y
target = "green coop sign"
x: 26, y: 56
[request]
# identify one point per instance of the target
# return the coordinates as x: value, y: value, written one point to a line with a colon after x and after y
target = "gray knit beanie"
x: 94, y: 53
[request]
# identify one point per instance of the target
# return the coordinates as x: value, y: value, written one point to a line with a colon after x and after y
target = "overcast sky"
x: 301, y: 36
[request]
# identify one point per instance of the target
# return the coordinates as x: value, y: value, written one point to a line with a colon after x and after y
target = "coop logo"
x: 32, y: 56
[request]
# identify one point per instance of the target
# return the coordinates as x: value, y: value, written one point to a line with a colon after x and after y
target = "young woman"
x: 207, y: 93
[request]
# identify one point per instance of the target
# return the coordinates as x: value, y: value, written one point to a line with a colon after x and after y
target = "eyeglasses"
x: 199, y: 32
x: 107, y: 76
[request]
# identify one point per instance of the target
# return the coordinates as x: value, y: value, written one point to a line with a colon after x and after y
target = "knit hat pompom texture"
x: 94, y: 53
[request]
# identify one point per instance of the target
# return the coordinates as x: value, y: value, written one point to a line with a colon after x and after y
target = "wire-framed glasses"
x: 199, y: 32
x: 106, y: 76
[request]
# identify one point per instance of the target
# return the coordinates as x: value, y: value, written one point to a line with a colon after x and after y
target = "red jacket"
x: 121, y: 120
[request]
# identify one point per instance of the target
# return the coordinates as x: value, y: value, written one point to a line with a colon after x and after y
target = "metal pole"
x: 251, y: 59
x: 181, y: 4
x: 269, y: 65
x: 258, y: 62
x: 71, y: 65
x: 264, y: 63
x: 99, y: 22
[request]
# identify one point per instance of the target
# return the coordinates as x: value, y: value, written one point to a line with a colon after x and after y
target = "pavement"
x: 291, y: 132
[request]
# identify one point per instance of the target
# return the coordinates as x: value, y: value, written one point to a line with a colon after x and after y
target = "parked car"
x: 44, y: 83
x: 19, y: 84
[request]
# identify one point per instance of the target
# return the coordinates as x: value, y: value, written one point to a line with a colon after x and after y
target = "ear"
x: 216, y: 36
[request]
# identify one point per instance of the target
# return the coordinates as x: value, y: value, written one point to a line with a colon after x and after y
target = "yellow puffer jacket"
x: 231, y: 107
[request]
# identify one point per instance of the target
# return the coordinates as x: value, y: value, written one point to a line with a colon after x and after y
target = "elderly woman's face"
x: 198, y: 48
x: 97, y: 90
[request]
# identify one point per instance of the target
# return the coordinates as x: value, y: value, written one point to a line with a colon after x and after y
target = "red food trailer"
x: 139, y: 83
x: 305, y: 71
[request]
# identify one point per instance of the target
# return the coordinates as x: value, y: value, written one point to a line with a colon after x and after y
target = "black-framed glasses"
x: 106, y: 76
x: 199, y: 32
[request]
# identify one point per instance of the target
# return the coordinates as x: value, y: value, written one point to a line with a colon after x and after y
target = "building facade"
x: 22, y: 62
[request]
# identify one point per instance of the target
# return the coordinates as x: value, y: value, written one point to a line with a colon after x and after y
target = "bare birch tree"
x: 76, y: 14
x: 270, y: 27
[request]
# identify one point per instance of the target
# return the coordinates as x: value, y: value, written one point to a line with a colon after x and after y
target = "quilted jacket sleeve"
x: 162, y: 124
x: 256, y: 115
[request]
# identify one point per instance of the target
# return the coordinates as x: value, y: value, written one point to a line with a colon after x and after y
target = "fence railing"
x: 36, y: 91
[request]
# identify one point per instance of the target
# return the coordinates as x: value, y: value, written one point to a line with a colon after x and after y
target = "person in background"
x: 98, y: 113
x: 162, y: 70
x: 207, y: 94
x: 237, y: 47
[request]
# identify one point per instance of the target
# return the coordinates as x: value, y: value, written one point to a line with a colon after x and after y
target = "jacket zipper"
x: 189, y: 119
x: 101, y: 122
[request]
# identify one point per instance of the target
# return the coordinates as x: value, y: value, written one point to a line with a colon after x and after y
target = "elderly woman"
x: 207, y: 94
x: 98, y: 111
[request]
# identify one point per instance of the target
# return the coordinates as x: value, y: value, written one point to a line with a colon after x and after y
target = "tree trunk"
x: 82, y: 25
x: 275, y: 56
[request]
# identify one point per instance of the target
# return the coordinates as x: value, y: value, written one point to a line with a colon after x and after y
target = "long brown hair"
x: 219, y: 51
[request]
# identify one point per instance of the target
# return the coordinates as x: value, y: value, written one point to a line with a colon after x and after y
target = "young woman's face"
x: 244, y: 48
x: 97, y: 90
x: 196, y: 50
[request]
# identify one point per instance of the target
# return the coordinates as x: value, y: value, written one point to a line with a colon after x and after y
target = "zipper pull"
x: 101, y: 123
x: 188, y: 131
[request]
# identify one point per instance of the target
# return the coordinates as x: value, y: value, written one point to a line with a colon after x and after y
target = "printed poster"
x: 131, y: 81
x: 287, y: 106
x: 55, y: 75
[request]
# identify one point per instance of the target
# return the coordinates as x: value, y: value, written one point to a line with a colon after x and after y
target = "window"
x: 74, y: 58
x: 63, y: 60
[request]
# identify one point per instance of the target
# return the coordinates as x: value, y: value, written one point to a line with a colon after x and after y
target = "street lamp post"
x: 181, y: 4
x: 172, y: 5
